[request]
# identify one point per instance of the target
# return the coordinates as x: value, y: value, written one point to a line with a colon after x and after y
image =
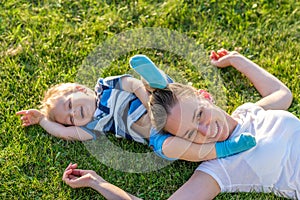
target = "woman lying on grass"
x: 74, y: 112
x: 271, y: 166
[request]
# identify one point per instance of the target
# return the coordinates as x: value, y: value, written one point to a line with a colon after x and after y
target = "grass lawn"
x: 46, y: 42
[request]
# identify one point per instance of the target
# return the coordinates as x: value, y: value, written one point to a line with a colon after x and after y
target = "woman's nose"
x: 203, y: 129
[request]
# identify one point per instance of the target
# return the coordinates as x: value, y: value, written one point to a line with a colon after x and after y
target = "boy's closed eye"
x: 71, y: 116
x: 70, y: 104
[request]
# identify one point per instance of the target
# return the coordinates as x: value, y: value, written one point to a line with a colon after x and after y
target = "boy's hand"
x: 222, y: 58
x: 77, y: 178
x: 30, y: 117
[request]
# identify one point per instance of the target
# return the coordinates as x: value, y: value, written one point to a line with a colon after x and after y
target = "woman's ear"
x: 206, y: 95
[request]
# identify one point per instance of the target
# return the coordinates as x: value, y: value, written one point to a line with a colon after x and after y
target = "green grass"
x: 45, y: 42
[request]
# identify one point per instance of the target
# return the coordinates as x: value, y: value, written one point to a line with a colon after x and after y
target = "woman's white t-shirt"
x: 273, y: 165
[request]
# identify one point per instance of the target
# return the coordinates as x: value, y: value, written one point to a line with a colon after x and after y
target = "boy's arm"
x: 64, y: 132
x: 275, y: 94
x: 136, y: 86
x: 32, y: 116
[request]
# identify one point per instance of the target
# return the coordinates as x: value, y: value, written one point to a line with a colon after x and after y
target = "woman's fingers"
x: 214, y: 55
x: 66, y: 175
x: 219, y: 54
x: 79, y: 172
x: 69, y: 166
x: 22, y: 112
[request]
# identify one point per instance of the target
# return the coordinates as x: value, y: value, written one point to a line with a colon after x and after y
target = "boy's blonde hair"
x: 56, y: 92
x: 163, y: 100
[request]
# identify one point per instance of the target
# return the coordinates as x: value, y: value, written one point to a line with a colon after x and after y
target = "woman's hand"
x: 30, y: 117
x: 222, y: 58
x: 77, y: 178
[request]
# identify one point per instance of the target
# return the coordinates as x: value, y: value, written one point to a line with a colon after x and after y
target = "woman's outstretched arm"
x: 77, y: 178
x: 200, y: 186
x: 275, y: 94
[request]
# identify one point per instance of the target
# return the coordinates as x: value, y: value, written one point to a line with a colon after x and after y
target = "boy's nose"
x: 74, y: 112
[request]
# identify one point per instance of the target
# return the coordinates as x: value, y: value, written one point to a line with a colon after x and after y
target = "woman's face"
x: 199, y: 121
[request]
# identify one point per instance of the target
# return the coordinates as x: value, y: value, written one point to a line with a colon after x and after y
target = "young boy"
x: 119, y: 104
x: 71, y: 111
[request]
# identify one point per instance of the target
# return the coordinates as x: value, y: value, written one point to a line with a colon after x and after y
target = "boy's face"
x: 199, y: 121
x: 76, y: 109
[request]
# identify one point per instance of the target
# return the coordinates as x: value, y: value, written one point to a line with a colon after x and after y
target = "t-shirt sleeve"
x: 156, y: 141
